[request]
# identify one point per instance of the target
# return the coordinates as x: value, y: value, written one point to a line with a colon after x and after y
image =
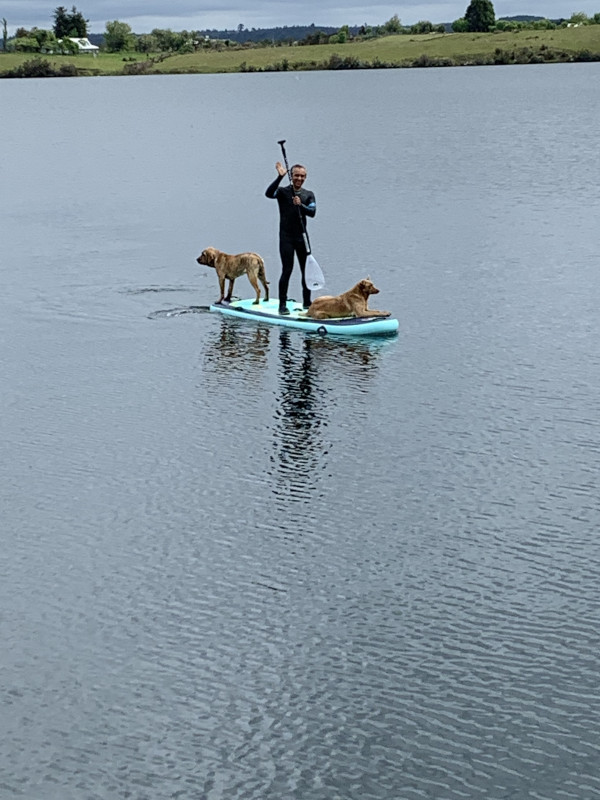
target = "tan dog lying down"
x: 352, y: 303
x: 231, y: 267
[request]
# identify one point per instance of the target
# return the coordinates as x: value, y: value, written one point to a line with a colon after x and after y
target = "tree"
x: 423, y: 26
x: 344, y: 33
x: 45, y: 39
x: 78, y: 24
x: 146, y: 43
x: 393, y: 25
x: 166, y: 39
x: 460, y: 25
x: 26, y: 44
x: 69, y: 25
x: 61, y: 25
x: 480, y: 16
x: 4, y: 33
x: 118, y: 36
x: 68, y: 47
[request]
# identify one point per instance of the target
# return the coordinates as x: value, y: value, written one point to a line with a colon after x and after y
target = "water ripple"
x: 244, y: 562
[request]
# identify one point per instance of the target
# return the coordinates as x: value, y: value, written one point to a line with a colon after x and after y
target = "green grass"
x: 103, y: 64
x: 457, y: 48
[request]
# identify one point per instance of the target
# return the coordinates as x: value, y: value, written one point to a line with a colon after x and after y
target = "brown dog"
x: 231, y: 267
x: 352, y: 303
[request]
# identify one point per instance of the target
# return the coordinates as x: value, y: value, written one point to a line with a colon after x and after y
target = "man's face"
x: 298, y: 178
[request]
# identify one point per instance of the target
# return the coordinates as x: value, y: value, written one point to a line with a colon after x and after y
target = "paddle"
x: 313, y: 274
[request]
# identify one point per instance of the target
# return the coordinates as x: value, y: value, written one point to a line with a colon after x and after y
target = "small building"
x: 85, y: 46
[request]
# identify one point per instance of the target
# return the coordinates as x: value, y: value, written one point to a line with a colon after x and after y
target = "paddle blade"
x: 313, y: 274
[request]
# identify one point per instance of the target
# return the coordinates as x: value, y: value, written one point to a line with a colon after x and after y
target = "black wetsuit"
x: 291, y: 228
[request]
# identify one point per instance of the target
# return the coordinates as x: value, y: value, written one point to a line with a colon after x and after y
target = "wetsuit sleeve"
x: 272, y: 188
x: 310, y: 207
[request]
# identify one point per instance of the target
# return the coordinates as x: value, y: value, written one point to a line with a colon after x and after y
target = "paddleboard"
x: 268, y: 311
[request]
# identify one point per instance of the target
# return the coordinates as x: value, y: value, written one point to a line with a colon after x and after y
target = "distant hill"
x: 521, y: 18
x: 295, y: 33
x: 528, y: 18
x: 517, y: 18
x: 292, y: 33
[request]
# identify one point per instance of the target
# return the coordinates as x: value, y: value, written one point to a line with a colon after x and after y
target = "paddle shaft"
x: 281, y: 143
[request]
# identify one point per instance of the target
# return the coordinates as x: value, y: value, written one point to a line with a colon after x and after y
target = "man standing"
x: 295, y: 204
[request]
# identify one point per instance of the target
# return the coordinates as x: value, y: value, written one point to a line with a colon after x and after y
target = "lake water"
x: 243, y: 562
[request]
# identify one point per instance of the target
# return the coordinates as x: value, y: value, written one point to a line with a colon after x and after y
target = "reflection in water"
x: 296, y: 385
x: 316, y: 377
x: 299, y: 441
x: 235, y: 346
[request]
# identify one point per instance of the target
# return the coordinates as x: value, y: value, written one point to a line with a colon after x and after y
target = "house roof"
x: 84, y: 44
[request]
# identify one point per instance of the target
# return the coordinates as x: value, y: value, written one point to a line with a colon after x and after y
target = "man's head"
x: 298, y: 176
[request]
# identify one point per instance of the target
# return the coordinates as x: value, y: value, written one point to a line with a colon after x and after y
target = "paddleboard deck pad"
x: 268, y: 311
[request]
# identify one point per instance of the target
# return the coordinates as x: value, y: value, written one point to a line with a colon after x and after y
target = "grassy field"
x: 436, y: 49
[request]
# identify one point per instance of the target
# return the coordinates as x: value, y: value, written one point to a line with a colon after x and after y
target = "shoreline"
x: 566, y: 45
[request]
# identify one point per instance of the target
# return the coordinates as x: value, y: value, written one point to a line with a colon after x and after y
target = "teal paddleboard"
x: 268, y: 311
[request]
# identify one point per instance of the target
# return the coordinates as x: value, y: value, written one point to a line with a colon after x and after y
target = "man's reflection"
x: 298, y: 437
x: 319, y: 377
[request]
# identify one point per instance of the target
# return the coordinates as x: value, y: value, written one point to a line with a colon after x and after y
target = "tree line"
x: 66, y: 25
x: 118, y: 37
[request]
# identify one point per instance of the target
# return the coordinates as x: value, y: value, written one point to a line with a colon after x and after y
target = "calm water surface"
x: 243, y: 562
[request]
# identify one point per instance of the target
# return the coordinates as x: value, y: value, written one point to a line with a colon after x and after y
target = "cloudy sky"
x: 144, y: 15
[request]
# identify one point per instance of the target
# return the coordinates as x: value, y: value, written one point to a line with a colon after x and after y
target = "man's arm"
x: 272, y: 188
x: 310, y: 208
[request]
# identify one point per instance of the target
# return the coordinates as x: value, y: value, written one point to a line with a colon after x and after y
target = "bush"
x: 502, y: 56
x: 67, y: 71
x: 377, y: 63
x: 347, y: 62
x: 41, y: 68
x: 26, y: 44
x: 428, y: 61
x: 460, y: 25
x: 586, y: 55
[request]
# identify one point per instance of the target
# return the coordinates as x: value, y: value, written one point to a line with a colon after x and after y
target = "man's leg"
x: 302, y: 254
x: 286, y: 251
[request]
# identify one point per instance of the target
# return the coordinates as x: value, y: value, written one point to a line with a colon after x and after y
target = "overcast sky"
x: 144, y: 15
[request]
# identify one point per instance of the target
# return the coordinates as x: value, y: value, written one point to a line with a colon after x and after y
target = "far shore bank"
x: 562, y: 45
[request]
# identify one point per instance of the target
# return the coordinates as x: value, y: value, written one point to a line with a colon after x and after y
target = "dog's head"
x: 207, y: 257
x: 367, y: 287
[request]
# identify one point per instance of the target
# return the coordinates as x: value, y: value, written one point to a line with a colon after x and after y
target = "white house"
x: 84, y: 45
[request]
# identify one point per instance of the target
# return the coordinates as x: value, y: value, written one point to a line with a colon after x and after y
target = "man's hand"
x: 280, y: 169
x: 296, y: 200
